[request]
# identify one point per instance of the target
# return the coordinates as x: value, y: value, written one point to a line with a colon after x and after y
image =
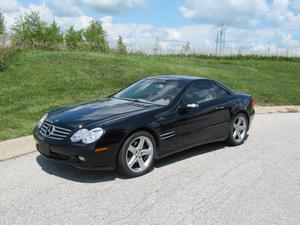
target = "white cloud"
x: 48, y: 15
x: 174, y: 34
x: 75, y: 7
x: 202, y: 38
x: 9, y: 6
x: 231, y: 12
x: 296, y: 5
x: 137, y: 36
x: 279, y: 14
x: 72, y: 8
x: 143, y: 36
x: 67, y: 8
x: 281, y: 19
x: 288, y: 39
x: 113, y: 6
x: 284, y: 17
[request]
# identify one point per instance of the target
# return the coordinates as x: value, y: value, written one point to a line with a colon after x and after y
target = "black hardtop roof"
x: 184, y: 78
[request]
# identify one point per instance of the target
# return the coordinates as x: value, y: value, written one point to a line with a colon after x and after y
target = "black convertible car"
x: 150, y: 119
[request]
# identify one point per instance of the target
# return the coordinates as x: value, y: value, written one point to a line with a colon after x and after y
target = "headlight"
x: 42, y: 120
x: 87, y: 136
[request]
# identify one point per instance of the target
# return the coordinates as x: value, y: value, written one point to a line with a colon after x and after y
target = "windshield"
x: 156, y: 91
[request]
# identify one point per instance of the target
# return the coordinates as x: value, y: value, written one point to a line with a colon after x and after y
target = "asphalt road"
x: 257, y: 183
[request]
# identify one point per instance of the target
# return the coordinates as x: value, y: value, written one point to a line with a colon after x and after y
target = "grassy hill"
x: 38, y: 81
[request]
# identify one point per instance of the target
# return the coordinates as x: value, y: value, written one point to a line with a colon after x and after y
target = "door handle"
x: 220, y: 107
x: 193, y: 105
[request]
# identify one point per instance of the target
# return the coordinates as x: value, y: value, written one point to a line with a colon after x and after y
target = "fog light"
x: 81, y: 158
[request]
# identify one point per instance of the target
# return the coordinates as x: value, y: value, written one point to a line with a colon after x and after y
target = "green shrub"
x: 121, y: 46
x: 31, y: 31
x: 2, y: 27
x: 96, y: 37
x: 52, y: 37
x: 73, y: 38
x: 5, y: 53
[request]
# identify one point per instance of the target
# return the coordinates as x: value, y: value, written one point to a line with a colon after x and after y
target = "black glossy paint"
x: 173, y: 127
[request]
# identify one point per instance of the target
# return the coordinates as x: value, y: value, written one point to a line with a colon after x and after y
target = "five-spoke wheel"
x: 137, y: 154
x: 238, y: 130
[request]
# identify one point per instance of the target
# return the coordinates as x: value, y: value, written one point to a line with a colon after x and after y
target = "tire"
x: 136, y: 155
x: 238, y: 130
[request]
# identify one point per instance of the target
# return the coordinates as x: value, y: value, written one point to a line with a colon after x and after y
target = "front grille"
x: 49, y: 130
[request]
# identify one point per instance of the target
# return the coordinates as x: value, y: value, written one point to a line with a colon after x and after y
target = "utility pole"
x: 224, y: 41
x: 220, y: 40
x: 217, y: 43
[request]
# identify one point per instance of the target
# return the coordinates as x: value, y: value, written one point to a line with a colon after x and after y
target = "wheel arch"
x: 245, y: 113
x: 146, y: 129
x: 149, y: 130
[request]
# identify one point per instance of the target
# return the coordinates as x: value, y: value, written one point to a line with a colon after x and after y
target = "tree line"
x: 30, y: 31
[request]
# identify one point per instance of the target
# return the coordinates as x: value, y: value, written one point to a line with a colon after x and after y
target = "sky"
x: 257, y: 26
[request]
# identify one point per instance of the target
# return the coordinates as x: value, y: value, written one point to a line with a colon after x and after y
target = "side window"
x: 203, y: 91
x: 219, y: 91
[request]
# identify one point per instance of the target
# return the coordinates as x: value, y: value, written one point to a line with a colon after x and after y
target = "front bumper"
x: 68, y: 153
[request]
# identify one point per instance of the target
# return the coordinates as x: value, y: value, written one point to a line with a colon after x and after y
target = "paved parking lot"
x: 257, y: 183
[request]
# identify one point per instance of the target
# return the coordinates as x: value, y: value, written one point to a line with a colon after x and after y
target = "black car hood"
x: 101, y: 111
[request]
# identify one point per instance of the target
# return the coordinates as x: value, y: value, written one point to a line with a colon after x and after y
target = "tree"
x: 186, y: 48
x: 2, y: 27
x: 52, y: 36
x: 95, y: 37
x: 156, y: 47
x: 121, y: 46
x: 29, y: 30
x: 73, y: 38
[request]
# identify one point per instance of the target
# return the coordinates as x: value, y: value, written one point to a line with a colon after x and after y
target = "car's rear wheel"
x: 136, y: 156
x: 238, y: 130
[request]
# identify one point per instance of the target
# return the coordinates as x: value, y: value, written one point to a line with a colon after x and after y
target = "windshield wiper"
x: 143, y: 101
x: 136, y: 100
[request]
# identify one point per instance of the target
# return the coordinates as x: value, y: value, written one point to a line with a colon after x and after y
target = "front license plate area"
x: 44, y: 148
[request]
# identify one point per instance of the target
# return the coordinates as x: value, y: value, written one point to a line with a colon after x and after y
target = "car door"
x: 204, y: 115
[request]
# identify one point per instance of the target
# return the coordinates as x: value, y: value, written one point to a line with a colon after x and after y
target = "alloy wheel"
x: 239, y: 129
x: 139, y: 154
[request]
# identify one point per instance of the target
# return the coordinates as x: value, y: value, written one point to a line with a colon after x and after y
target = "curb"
x: 277, y: 109
x: 20, y: 146
x: 16, y: 147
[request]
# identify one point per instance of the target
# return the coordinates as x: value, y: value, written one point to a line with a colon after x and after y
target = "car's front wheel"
x: 238, y: 130
x: 136, y: 156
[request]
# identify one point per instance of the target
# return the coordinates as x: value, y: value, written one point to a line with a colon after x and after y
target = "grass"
x: 5, y: 54
x: 38, y: 81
